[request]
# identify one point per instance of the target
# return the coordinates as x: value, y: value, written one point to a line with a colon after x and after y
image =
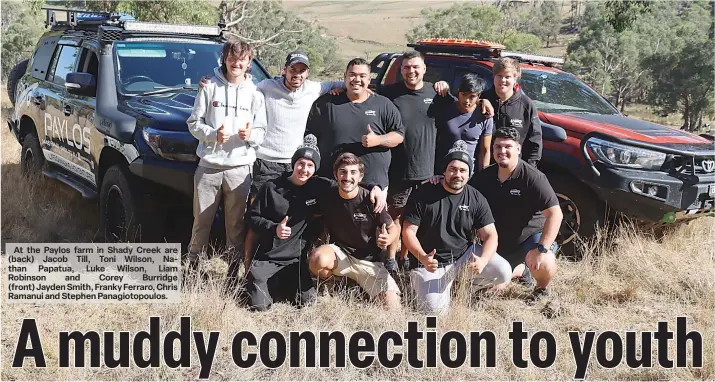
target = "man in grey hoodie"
x: 229, y: 120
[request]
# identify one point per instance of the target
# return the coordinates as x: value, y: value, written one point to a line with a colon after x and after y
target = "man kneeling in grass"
x: 280, y: 216
x: 441, y: 223
x: 358, y: 233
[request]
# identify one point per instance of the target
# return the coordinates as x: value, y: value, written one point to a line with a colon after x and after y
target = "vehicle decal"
x: 69, y: 166
x: 129, y: 151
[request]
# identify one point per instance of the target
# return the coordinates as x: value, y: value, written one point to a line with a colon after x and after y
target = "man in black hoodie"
x: 513, y: 108
x: 279, y: 216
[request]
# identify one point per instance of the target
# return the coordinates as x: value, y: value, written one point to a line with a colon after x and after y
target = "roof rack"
x: 479, y: 49
x: 81, y: 17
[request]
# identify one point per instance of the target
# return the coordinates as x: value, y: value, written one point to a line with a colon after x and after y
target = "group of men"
x: 408, y: 166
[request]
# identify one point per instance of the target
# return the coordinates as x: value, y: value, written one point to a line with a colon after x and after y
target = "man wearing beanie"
x: 526, y: 212
x: 442, y: 223
x: 279, y: 217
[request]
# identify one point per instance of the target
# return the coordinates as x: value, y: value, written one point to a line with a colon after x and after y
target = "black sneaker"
x: 537, y: 295
x: 526, y: 278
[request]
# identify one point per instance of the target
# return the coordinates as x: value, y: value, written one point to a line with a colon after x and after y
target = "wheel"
x: 126, y: 215
x: 14, y: 77
x: 582, y: 211
x: 32, y: 160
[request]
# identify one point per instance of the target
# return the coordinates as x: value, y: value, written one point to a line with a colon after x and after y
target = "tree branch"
x: 243, y: 15
x: 264, y: 41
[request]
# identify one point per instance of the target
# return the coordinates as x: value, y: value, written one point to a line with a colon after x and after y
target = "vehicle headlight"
x: 617, y: 154
x: 172, y: 145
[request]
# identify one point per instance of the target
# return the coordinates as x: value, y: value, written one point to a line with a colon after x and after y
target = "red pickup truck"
x: 600, y: 162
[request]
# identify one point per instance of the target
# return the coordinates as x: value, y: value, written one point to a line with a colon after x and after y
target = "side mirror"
x: 553, y: 133
x: 83, y: 84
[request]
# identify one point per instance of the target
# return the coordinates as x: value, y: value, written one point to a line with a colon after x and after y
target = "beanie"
x: 459, y: 152
x: 308, y: 150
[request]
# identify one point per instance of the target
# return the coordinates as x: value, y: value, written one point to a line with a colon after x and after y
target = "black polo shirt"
x: 447, y: 221
x: 517, y: 203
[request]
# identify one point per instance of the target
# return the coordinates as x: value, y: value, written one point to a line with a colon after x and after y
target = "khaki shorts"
x: 372, y: 277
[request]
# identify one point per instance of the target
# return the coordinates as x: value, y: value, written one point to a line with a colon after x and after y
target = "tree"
x: 22, y: 26
x: 477, y: 22
x: 548, y: 22
x: 621, y: 14
x: 683, y: 77
x: 275, y: 32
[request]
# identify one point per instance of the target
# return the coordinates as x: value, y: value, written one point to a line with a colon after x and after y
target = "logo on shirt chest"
x: 427, y: 101
x: 370, y: 112
x: 359, y: 217
x: 515, y: 192
x: 310, y: 202
x: 516, y: 123
x: 464, y: 208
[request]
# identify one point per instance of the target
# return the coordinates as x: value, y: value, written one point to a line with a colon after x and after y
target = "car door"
x: 61, y: 143
x: 83, y: 136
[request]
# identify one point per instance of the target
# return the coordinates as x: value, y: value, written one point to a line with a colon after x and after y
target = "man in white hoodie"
x: 229, y: 120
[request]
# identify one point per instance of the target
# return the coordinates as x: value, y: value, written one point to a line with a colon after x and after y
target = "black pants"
x: 268, y: 282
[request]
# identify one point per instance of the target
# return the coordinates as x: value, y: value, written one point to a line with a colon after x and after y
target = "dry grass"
x: 628, y: 280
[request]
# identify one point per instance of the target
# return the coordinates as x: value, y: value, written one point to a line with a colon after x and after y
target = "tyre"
x: 583, y: 212
x: 126, y: 214
x: 32, y: 160
x: 14, y: 77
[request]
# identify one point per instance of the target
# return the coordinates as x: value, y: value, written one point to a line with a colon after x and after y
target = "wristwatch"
x: 541, y: 248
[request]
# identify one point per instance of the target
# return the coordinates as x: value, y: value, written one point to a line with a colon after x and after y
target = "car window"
x: 438, y: 69
x: 562, y: 93
x: 88, y: 63
x: 257, y: 73
x: 63, y: 63
x: 461, y: 70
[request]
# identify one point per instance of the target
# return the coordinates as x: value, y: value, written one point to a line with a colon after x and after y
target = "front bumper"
x: 675, y: 198
x: 175, y: 175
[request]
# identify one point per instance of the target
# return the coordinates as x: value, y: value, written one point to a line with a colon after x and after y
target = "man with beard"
x: 280, y: 216
x: 441, y: 224
x: 526, y: 212
x: 413, y: 160
x: 367, y: 125
x: 358, y: 235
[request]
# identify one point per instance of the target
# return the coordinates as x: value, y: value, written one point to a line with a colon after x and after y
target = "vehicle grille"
x: 696, y: 166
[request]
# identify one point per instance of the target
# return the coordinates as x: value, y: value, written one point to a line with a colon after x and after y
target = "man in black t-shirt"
x: 358, y: 235
x: 526, y: 212
x: 441, y: 222
x: 413, y: 160
x: 367, y: 125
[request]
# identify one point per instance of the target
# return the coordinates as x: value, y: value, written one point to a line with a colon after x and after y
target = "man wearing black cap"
x: 288, y: 100
x: 442, y: 223
x: 526, y: 212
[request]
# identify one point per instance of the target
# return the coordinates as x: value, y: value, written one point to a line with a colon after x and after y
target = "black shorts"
x: 399, y: 193
x: 264, y: 171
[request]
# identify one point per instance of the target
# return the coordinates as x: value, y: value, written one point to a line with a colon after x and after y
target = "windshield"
x: 562, y: 93
x: 149, y: 66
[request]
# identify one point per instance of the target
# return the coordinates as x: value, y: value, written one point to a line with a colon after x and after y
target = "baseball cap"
x: 297, y: 56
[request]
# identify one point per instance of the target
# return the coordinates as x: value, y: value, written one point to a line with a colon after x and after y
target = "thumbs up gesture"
x: 370, y: 139
x: 429, y: 261
x: 283, y: 231
x: 476, y: 264
x: 222, y: 136
x: 245, y: 132
x: 383, y: 238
